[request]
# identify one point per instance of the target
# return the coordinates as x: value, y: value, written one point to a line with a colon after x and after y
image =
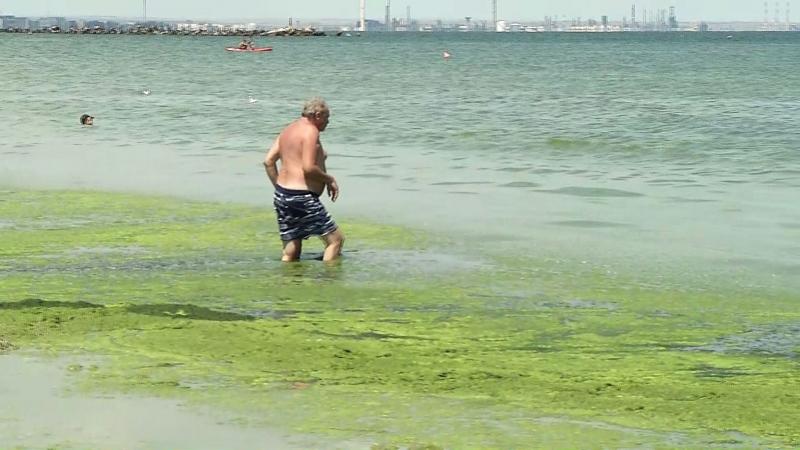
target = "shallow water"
x: 407, y: 341
x: 604, y: 233
x: 42, y: 409
x: 665, y: 156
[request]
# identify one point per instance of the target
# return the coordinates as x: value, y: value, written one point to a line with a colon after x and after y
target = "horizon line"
x: 354, y: 19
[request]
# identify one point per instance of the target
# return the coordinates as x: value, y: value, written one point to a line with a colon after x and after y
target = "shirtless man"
x: 300, y: 182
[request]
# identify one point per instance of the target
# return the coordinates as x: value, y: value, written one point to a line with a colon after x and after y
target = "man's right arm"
x: 270, y: 161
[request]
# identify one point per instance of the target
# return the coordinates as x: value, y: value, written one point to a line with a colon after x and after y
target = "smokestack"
x: 766, y: 14
x: 363, y: 16
x: 388, y: 15
x: 494, y: 15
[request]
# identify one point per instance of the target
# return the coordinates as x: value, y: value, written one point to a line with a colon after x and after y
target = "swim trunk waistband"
x: 282, y: 190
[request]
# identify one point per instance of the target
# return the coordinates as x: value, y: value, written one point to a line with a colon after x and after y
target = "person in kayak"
x: 300, y: 181
x: 244, y: 45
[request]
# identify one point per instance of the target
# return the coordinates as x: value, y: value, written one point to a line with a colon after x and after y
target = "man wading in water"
x: 300, y: 182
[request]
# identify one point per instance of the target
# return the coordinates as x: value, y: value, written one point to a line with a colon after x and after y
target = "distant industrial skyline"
x: 479, y: 10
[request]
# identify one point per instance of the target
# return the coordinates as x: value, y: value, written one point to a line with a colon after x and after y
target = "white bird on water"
x: 146, y: 91
x: 446, y: 54
x: 252, y: 100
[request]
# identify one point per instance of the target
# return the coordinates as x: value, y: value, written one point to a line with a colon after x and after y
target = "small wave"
x: 691, y: 200
x: 520, y: 184
x: 371, y: 175
x: 458, y: 183
x: 671, y: 181
x: 589, y: 224
x: 568, y: 144
x: 592, y: 192
x: 512, y: 169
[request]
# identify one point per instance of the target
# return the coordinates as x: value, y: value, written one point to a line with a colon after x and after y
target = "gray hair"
x: 315, y: 106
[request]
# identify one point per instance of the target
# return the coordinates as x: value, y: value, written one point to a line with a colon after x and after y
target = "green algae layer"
x: 409, y: 342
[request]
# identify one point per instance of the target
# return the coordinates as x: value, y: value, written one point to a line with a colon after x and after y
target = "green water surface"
x: 402, y: 342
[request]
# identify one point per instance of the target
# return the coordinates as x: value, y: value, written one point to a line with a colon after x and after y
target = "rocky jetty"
x: 147, y: 30
x: 292, y: 31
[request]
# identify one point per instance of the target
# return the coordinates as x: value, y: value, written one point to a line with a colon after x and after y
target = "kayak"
x: 257, y: 49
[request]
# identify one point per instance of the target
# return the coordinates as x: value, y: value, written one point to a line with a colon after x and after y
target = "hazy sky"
x: 712, y: 10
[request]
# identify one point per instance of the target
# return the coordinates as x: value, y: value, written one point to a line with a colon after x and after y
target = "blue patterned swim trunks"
x: 301, y: 214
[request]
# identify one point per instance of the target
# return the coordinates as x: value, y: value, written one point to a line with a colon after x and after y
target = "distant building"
x: 188, y: 27
x: 244, y: 27
x: 5, y: 22
x: 95, y: 24
x: 50, y: 22
x: 403, y: 25
x: 673, y: 19
x: 372, y: 25
x: 16, y: 23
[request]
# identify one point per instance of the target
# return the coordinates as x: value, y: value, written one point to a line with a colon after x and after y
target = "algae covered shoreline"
x: 397, y: 345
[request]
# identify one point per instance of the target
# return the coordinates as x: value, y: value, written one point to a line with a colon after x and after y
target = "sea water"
x: 666, y: 162
x: 667, y: 156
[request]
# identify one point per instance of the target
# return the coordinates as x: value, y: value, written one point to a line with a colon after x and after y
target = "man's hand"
x: 333, y: 189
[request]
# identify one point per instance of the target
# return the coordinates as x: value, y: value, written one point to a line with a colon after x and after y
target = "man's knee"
x: 291, y: 251
x: 334, y: 241
x: 336, y: 238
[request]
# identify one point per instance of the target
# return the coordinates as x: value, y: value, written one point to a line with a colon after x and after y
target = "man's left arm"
x: 271, y: 161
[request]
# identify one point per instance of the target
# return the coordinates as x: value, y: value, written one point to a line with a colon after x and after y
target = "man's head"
x: 316, y: 110
x: 87, y: 120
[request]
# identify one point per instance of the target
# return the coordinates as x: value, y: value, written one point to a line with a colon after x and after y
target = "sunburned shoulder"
x: 301, y: 127
x: 309, y: 131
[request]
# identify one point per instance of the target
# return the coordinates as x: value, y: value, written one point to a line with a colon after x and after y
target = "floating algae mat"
x: 408, y: 343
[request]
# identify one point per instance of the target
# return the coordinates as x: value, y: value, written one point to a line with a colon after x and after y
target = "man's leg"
x: 333, y: 245
x: 291, y: 250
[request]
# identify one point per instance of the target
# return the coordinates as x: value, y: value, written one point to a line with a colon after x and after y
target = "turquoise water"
x: 672, y: 158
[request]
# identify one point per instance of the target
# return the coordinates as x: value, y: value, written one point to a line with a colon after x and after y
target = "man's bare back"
x: 300, y: 180
x: 291, y: 143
